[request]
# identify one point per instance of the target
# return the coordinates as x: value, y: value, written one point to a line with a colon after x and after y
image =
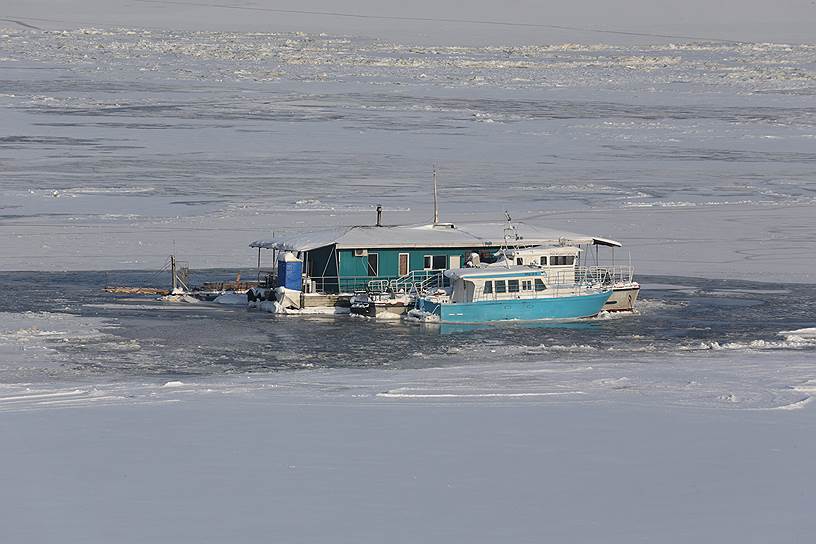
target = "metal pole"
x: 173, y: 272
x: 258, y: 279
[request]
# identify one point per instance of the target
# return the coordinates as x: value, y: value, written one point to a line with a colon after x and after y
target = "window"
x: 488, y: 287
x: 513, y: 286
x: 539, y: 285
x: 527, y: 285
x: 543, y: 261
x: 562, y: 260
x: 501, y: 286
x: 519, y: 261
x: 373, y: 264
x: 487, y: 257
x: 436, y: 262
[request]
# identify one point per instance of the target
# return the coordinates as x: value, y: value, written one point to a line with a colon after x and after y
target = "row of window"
x: 555, y: 260
x: 513, y: 286
x: 558, y: 260
x: 430, y: 262
x: 440, y: 262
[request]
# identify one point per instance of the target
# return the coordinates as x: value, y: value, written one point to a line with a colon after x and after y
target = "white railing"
x: 552, y: 291
x: 416, y: 281
x: 605, y: 275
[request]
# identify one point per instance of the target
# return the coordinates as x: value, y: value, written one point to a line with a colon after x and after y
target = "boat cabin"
x: 496, y: 283
x: 560, y: 262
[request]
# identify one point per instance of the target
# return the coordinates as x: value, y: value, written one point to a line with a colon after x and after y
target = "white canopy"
x: 420, y: 236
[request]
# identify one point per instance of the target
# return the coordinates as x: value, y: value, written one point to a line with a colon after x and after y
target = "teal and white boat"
x: 511, y: 293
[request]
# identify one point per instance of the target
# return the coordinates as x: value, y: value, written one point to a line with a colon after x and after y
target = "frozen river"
x: 125, y: 419
x: 139, y: 421
x: 707, y: 343
x: 119, y: 142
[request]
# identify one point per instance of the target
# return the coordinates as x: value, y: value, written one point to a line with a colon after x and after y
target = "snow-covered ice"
x: 234, y: 299
x: 120, y: 141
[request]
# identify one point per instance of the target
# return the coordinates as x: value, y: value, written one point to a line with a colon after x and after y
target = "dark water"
x: 146, y: 337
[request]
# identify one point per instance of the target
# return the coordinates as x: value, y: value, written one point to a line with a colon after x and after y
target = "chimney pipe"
x: 379, y: 216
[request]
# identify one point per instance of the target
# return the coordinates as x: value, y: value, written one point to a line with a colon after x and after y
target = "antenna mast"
x: 173, y: 273
x: 436, y: 199
x: 508, y: 246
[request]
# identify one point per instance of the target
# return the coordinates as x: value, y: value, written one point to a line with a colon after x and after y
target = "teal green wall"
x: 357, y: 267
x: 389, y: 260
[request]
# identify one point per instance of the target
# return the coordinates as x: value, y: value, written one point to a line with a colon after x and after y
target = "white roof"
x: 416, y: 236
x: 546, y: 250
x: 492, y: 272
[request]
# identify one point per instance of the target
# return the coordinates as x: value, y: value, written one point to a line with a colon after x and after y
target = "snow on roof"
x: 420, y: 236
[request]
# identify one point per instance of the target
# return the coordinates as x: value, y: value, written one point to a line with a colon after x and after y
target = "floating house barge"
x: 337, y: 263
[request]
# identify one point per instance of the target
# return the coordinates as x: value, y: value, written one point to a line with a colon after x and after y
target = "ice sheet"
x: 122, y: 144
x: 130, y: 132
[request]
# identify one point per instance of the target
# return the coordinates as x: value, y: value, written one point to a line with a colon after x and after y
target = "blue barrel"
x: 290, y: 271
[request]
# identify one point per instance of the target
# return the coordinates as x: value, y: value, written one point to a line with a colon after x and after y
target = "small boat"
x: 510, y: 293
x: 564, y: 261
x: 382, y: 305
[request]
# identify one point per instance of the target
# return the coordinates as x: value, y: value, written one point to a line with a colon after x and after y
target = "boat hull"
x: 623, y: 298
x: 567, y: 307
x: 383, y: 307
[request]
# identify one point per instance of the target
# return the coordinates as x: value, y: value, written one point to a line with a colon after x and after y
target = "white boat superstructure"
x: 563, y: 264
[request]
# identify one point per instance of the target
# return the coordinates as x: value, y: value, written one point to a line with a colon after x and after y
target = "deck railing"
x: 425, y: 281
x: 557, y: 283
x: 604, y: 275
x: 411, y: 283
x: 338, y: 284
x: 416, y: 281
